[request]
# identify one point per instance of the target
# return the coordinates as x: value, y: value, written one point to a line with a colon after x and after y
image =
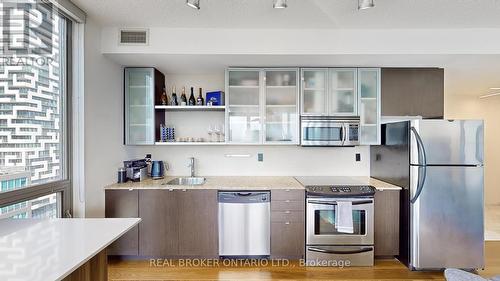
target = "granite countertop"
x: 51, y: 249
x: 257, y: 183
x: 222, y: 183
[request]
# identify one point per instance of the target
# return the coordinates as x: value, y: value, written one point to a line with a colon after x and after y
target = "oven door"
x: 322, y: 133
x: 321, y: 222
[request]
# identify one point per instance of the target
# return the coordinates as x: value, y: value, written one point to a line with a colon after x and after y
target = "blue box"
x: 216, y: 97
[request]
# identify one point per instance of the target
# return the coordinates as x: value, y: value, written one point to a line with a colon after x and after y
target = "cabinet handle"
x: 287, y: 190
x: 287, y: 201
x: 287, y: 212
x: 184, y: 190
x: 287, y: 223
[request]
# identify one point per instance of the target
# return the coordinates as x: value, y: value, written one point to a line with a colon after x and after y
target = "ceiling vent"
x: 134, y: 36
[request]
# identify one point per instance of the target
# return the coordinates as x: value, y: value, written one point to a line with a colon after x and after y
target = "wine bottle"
x: 164, y: 98
x: 192, y: 101
x: 200, y: 100
x: 173, y: 100
x: 183, y: 96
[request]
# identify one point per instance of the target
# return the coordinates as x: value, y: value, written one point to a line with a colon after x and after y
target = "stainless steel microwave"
x: 329, y: 131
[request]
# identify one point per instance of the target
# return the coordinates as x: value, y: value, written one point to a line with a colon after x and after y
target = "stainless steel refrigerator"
x: 439, y: 164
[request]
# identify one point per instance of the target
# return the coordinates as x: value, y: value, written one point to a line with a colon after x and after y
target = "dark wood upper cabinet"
x: 413, y: 92
x: 158, y: 231
x: 123, y: 204
x: 198, y: 223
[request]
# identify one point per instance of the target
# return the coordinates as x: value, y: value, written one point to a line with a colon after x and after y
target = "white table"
x: 51, y: 249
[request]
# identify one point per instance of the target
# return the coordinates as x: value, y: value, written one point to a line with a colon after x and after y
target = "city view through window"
x: 32, y: 59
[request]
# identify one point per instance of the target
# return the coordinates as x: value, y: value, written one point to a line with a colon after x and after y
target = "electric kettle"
x: 157, y: 169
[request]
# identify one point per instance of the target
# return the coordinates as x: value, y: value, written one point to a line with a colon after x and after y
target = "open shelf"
x: 191, y: 108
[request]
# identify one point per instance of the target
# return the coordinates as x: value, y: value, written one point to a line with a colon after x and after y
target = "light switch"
x: 358, y: 157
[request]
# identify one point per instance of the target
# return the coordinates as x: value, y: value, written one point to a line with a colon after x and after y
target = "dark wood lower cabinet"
x: 387, y: 223
x: 123, y: 204
x: 158, y: 230
x: 175, y: 223
x: 287, y: 240
x: 287, y: 223
x: 198, y: 228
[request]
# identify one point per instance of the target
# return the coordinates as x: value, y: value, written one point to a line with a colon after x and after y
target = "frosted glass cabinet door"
x: 343, y: 99
x: 139, y: 106
x: 369, y: 105
x: 314, y: 91
x: 243, y: 95
x: 281, y: 106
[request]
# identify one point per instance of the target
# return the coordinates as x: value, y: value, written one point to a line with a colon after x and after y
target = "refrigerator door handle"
x: 422, y: 156
x: 422, y: 165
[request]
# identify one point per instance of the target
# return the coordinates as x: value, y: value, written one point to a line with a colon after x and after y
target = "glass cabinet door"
x: 281, y: 106
x: 139, y: 106
x: 343, y: 99
x: 369, y: 105
x: 314, y: 91
x: 243, y: 95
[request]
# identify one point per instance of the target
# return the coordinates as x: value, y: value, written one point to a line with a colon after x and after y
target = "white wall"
x: 104, y: 148
x: 278, y: 160
x: 308, y: 41
x: 471, y: 107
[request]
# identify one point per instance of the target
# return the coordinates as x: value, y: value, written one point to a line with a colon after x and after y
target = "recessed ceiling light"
x: 495, y: 88
x: 195, y: 4
x: 489, y: 95
x: 365, y: 4
x: 280, y: 4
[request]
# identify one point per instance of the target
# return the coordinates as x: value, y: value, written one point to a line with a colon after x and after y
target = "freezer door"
x: 447, y: 142
x: 447, y: 218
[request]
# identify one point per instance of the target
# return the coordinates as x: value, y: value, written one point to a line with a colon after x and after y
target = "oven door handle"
x: 337, y: 252
x: 362, y: 202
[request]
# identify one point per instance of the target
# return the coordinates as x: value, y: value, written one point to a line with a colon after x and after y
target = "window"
x: 34, y: 111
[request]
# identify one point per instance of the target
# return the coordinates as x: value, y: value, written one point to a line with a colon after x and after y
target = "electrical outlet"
x: 358, y: 157
x: 260, y: 157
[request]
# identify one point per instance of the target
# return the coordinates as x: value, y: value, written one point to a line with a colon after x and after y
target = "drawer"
x: 287, y: 240
x: 287, y: 205
x: 288, y: 194
x: 287, y: 216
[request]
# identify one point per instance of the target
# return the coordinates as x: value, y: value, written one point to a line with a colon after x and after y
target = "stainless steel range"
x: 325, y: 245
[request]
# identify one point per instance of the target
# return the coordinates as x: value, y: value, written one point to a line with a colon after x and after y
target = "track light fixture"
x: 280, y: 4
x: 195, y: 4
x: 365, y: 4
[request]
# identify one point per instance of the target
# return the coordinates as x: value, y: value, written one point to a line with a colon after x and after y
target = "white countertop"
x: 50, y: 249
x: 378, y: 184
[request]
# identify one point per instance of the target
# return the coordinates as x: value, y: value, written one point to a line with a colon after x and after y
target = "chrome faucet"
x: 191, y: 165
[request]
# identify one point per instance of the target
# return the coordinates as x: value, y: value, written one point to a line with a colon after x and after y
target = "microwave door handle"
x: 346, y: 132
x: 362, y: 202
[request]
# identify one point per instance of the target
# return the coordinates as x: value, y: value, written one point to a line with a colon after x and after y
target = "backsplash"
x: 233, y: 160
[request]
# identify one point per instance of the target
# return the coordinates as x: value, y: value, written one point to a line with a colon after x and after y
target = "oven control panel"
x: 341, y: 190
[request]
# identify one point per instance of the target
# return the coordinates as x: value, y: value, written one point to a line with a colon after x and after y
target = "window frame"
x: 64, y: 186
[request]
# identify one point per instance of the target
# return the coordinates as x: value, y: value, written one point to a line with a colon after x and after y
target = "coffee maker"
x: 137, y: 170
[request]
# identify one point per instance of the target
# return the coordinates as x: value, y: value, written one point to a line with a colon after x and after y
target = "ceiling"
x: 334, y: 14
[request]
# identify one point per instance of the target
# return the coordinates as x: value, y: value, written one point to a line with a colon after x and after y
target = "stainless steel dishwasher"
x: 244, y: 224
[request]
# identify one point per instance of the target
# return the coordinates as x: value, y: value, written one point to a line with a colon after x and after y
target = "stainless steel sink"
x: 186, y: 181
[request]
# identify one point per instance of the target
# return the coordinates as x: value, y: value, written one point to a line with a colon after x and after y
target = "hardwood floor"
x: 383, y: 270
